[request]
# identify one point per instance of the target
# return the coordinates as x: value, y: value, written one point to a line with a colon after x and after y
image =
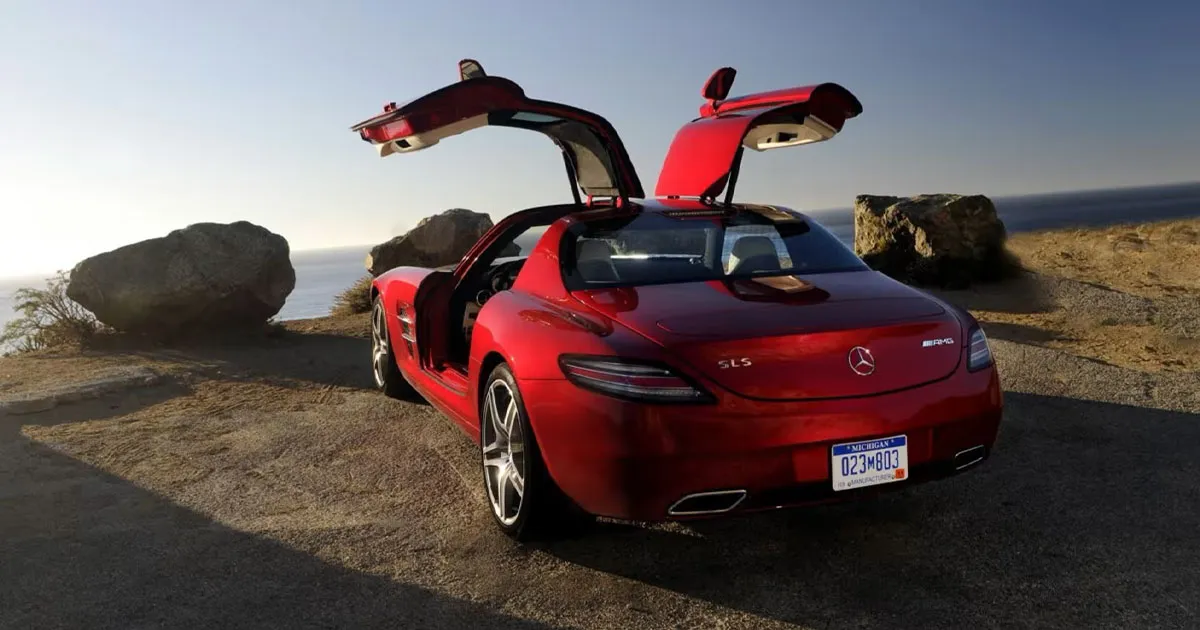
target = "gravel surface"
x: 263, y: 487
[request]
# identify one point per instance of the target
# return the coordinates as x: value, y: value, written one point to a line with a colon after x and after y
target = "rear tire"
x: 523, y: 498
x: 388, y: 378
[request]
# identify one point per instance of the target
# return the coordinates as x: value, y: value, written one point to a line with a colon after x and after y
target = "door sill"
x: 452, y: 377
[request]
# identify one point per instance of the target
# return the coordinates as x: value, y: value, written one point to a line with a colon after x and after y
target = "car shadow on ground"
x: 1086, y: 516
x: 293, y: 359
x: 1020, y: 333
x: 1025, y: 294
x: 317, y: 358
x: 288, y: 359
x: 89, y: 549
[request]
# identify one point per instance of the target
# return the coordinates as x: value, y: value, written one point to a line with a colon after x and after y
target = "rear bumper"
x: 634, y: 461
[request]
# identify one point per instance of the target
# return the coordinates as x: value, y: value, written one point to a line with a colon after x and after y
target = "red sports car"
x: 676, y: 356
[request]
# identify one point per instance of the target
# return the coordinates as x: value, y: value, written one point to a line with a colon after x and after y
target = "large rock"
x: 205, y: 277
x: 439, y: 240
x: 945, y: 240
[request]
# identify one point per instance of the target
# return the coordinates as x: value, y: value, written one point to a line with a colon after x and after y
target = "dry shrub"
x: 48, y: 319
x: 354, y: 300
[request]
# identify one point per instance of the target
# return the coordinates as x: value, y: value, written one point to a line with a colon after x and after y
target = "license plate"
x: 870, y: 462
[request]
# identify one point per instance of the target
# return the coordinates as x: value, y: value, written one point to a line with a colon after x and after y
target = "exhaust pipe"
x: 707, y: 503
x: 969, y: 457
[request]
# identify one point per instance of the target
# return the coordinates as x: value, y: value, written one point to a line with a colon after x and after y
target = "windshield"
x: 669, y: 247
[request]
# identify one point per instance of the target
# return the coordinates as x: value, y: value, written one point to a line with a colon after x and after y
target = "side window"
x: 524, y: 243
x: 763, y: 247
x: 520, y: 245
x: 659, y: 243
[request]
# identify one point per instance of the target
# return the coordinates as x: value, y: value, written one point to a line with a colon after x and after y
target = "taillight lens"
x: 633, y: 380
x: 979, y: 355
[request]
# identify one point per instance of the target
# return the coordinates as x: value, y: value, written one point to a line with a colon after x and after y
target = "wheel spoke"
x: 514, y: 478
x: 378, y: 363
x: 494, y: 456
x: 510, y: 415
x: 379, y: 342
x: 493, y: 412
x: 502, y: 491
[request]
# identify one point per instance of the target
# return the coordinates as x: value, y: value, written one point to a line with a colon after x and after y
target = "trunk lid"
x: 795, y: 337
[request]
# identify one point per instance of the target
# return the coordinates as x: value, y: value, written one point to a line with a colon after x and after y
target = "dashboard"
x: 499, y: 278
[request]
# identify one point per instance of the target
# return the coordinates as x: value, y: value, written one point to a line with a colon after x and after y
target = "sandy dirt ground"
x: 1127, y: 294
x: 266, y: 485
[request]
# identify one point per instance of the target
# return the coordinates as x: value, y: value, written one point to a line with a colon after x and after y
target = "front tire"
x: 524, y: 500
x: 388, y: 378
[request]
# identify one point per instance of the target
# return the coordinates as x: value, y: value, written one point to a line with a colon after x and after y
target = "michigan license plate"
x: 870, y: 462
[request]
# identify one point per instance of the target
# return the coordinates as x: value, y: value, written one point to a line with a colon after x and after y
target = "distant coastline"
x: 323, y: 273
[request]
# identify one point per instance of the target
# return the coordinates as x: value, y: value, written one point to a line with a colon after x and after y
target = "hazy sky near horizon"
x: 122, y: 120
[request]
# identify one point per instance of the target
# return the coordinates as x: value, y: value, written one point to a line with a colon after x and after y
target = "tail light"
x: 979, y: 355
x: 640, y: 381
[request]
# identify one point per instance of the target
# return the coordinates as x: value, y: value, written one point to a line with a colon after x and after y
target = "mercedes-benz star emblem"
x: 861, y: 361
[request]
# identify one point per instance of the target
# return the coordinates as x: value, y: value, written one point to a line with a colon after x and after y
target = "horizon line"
x: 43, y: 275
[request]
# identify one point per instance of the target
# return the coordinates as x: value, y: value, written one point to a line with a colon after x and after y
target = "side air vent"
x: 406, y: 327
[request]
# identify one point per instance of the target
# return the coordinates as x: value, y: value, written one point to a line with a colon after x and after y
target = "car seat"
x: 753, y: 254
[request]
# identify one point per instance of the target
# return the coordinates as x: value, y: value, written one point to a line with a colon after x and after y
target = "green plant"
x: 356, y: 299
x: 48, y: 318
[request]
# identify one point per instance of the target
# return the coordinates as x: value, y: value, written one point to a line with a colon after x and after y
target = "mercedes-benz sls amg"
x: 680, y: 355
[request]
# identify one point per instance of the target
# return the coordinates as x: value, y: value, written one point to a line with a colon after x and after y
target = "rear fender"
x: 530, y: 334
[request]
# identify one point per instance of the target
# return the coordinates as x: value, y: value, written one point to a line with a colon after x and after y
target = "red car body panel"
x: 633, y: 461
x: 770, y: 423
x: 798, y: 350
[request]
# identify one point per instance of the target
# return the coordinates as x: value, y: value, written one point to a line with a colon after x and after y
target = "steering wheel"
x: 497, y: 279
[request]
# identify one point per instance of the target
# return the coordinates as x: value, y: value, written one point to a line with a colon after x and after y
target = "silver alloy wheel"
x: 503, y: 452
x: 379, y: 344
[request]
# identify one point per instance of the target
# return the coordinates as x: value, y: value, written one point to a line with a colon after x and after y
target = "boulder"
x: 205, y: 277
x: 943, y: 240
x: 437, y: 241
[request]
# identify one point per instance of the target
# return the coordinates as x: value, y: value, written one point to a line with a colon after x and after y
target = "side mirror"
x: 718, y: 85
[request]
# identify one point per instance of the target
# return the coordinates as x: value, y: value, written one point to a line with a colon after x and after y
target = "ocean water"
x: 322, y: 274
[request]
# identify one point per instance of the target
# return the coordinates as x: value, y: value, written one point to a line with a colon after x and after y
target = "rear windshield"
x: 666, y: 247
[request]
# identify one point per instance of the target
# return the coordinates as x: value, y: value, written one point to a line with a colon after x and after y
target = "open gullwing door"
x: 595, y: 156
x: 706, y: 152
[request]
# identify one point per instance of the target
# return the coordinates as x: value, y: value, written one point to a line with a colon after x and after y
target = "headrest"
x: 750, y: 246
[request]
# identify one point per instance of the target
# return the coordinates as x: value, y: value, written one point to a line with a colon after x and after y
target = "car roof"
x: 666, y: 205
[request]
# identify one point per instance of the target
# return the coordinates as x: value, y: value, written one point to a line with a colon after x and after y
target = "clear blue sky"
x: 122, y: 120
